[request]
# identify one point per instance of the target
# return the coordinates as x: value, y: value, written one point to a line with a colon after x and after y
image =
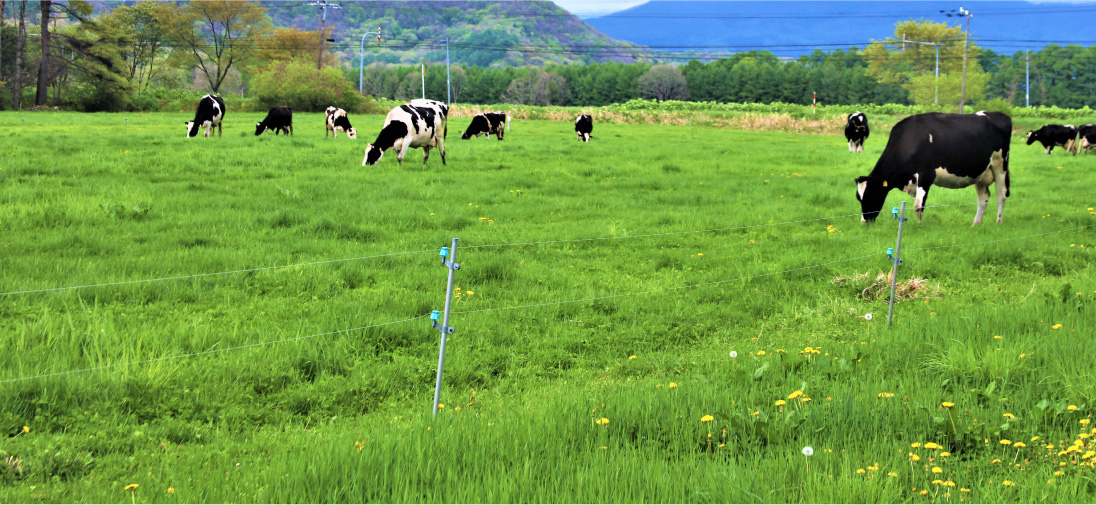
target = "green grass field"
x: 580, y: 371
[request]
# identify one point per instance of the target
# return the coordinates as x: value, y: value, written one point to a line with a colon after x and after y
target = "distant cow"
x: 1086, y: 138
x: 337, y: 121
x: 948, y: 150
x: 418, y: 123
x: 208, y: 115
x: 1053, y: 135
x: 279, y: 119
x: 486, y: 124
x: 856, y: 130
x: 584, y: 125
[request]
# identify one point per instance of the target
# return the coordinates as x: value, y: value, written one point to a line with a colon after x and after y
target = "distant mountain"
x: 791, y: 29
x: 480, y: 33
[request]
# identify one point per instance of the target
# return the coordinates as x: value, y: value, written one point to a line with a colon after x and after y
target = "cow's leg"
x: 441, y: 148
x: 403, y: 151
x: 425, y: 154
x: 923, y: 181
x: 852, y: 146
x: 999, y: 165
x: 983, y: 200
x: 860, y: 146
x: 219, y: 132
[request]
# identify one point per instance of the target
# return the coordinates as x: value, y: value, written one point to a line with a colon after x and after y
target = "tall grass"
x: 345, y: 415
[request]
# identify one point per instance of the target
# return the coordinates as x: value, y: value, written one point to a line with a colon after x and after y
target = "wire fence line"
x: 1003, y: 239
x: 484, y: 246
x: 212, y: 351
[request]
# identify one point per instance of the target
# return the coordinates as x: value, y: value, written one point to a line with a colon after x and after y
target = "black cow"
x: 1086, y: 138
x: 279, y: 119
x: 337, y: 120
x: 1053, y: 135
x: 856, y: 130
x: 486, y: 124
x: 584, y: 125
x: 948, y: 150
x: 208, y: 115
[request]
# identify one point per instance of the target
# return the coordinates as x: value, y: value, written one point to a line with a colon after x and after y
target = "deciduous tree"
x: 219, y: 34
x: 664, y: 82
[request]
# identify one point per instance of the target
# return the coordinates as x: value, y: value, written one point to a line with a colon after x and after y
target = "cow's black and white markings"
x: 584, y: 125
x: 279, y: 119
x: 209, y: 115
x: 1086, y: 138
x: 1054, y: 135
x: 336, y: 122
x: 856, y: 130
x: 486, y: 124
x: 418, y: 123
x: 948, y: 150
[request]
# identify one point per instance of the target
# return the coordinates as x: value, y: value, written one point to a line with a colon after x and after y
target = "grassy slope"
x: 280, y: 422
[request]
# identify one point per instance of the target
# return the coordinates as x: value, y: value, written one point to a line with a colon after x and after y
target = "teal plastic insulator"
x: 444, y: 252
x: 890, y: 252
x: 894, y: 210
x: 434, y: 315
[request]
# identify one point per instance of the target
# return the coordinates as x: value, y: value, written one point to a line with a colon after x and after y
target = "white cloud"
x: 592, y: 8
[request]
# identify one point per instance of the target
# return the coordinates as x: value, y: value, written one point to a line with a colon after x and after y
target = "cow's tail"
x: 1007, y: 181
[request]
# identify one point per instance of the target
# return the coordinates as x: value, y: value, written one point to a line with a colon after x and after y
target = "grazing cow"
x: 1086, y: 138
x: 1053, y: 135
x: 486, y: 124
x: 208, y: 115
x: 337, y: 121
x: 856, y: 130
x: 584, y: 125
x: 279, y: 119
x: 418, y: 123
x: 948, y: 150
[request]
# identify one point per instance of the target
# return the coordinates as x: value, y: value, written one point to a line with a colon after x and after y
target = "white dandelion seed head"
x: 734, y: 354
x: 808, y: 451
x: 867, y: 316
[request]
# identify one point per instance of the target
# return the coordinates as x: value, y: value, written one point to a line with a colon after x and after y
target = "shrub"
x: 299, y: 85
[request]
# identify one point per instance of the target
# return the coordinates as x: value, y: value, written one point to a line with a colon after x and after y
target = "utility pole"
x: 361, y: 56
x: 323, y: 5
x: 966, y: 43
x: 1027, y: 79
x: 448, y: 93
x: 936, y: 93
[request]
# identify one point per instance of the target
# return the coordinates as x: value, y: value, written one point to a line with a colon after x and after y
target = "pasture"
x: 580, y: 371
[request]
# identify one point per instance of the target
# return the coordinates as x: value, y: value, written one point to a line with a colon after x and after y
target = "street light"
x: 936, y: 92
x: 361, y: 56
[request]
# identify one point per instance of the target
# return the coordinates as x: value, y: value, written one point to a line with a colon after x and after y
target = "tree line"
x: 142, y: 56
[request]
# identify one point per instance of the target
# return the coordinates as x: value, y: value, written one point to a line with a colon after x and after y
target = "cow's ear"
x: 862, y: 178
x: 884, y: 183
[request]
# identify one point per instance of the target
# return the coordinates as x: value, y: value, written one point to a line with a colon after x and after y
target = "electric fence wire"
x: 205, y: 353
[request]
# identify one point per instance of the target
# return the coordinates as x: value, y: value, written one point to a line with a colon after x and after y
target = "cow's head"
x: 872, y: 193
x: 372, y: 155
x: 351, y: 133
x: 191, y: 131
x: 1032, y: 137
x: 259, y: 128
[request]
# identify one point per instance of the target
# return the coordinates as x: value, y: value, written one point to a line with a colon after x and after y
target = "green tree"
x: 914, y: 67
x: 219, y: 34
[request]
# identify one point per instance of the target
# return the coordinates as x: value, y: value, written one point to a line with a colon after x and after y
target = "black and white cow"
x: 486, y: 124
x: 336, y: 122
x: 208, y: 115
x: 1086, y: 138
x: 948, y: 150
x: 1053, y: 135
x: 279, y: 119
x: 584, y: 125
x: 418, y: 123
x: 856, y: 130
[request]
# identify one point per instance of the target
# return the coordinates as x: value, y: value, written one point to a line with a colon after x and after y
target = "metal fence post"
x: 448, y: 257
x: 895, y: 255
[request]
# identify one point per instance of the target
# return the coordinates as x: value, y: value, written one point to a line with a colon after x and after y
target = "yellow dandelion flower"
x: 673, y: 385
x: 1088, y: 454
x: 995, y: 461
x: 964, y: 490
x: 1034, y: 439
x: 604, y: 420
x: 756, y: 412
x: 1009, y: 416
x: 26, y: 429
x: 932, y: 445
x: 171, y: 490
x: 707, y: 419
x: 1019, y: 445
x: 937, y: 469
x: 1084, y: 422
x: 780, y: 402
x: 441, y: 405
x: 892, y: 474
x: 760, y: 353
x: 945, y: 454
x: 804, y: 399
x: 860, y: 471
x: 915, y: 457
x: 470, y: 292
x: 886, y: 395
x: 915, y: 445
x: 795, y: 394
x: 632, y: 356
x: 1071, y: 407
x: 1005, y: 441
x: 457, y: 408
x: 1057, y: 326
x: 947, y: 405
x: 924, y: 492
x: 131, y: 487
x: 1008, y: 483
x: 1059, y: 473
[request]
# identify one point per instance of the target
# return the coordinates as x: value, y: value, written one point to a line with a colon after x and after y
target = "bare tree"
x: 3, y: 10
x: 219, y: 34
x: 537, y: 88
x: 664, y: 82
x: 20, y: 41
x: 377, y: 81
x: 458, y: 81
x: 42, y: 92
